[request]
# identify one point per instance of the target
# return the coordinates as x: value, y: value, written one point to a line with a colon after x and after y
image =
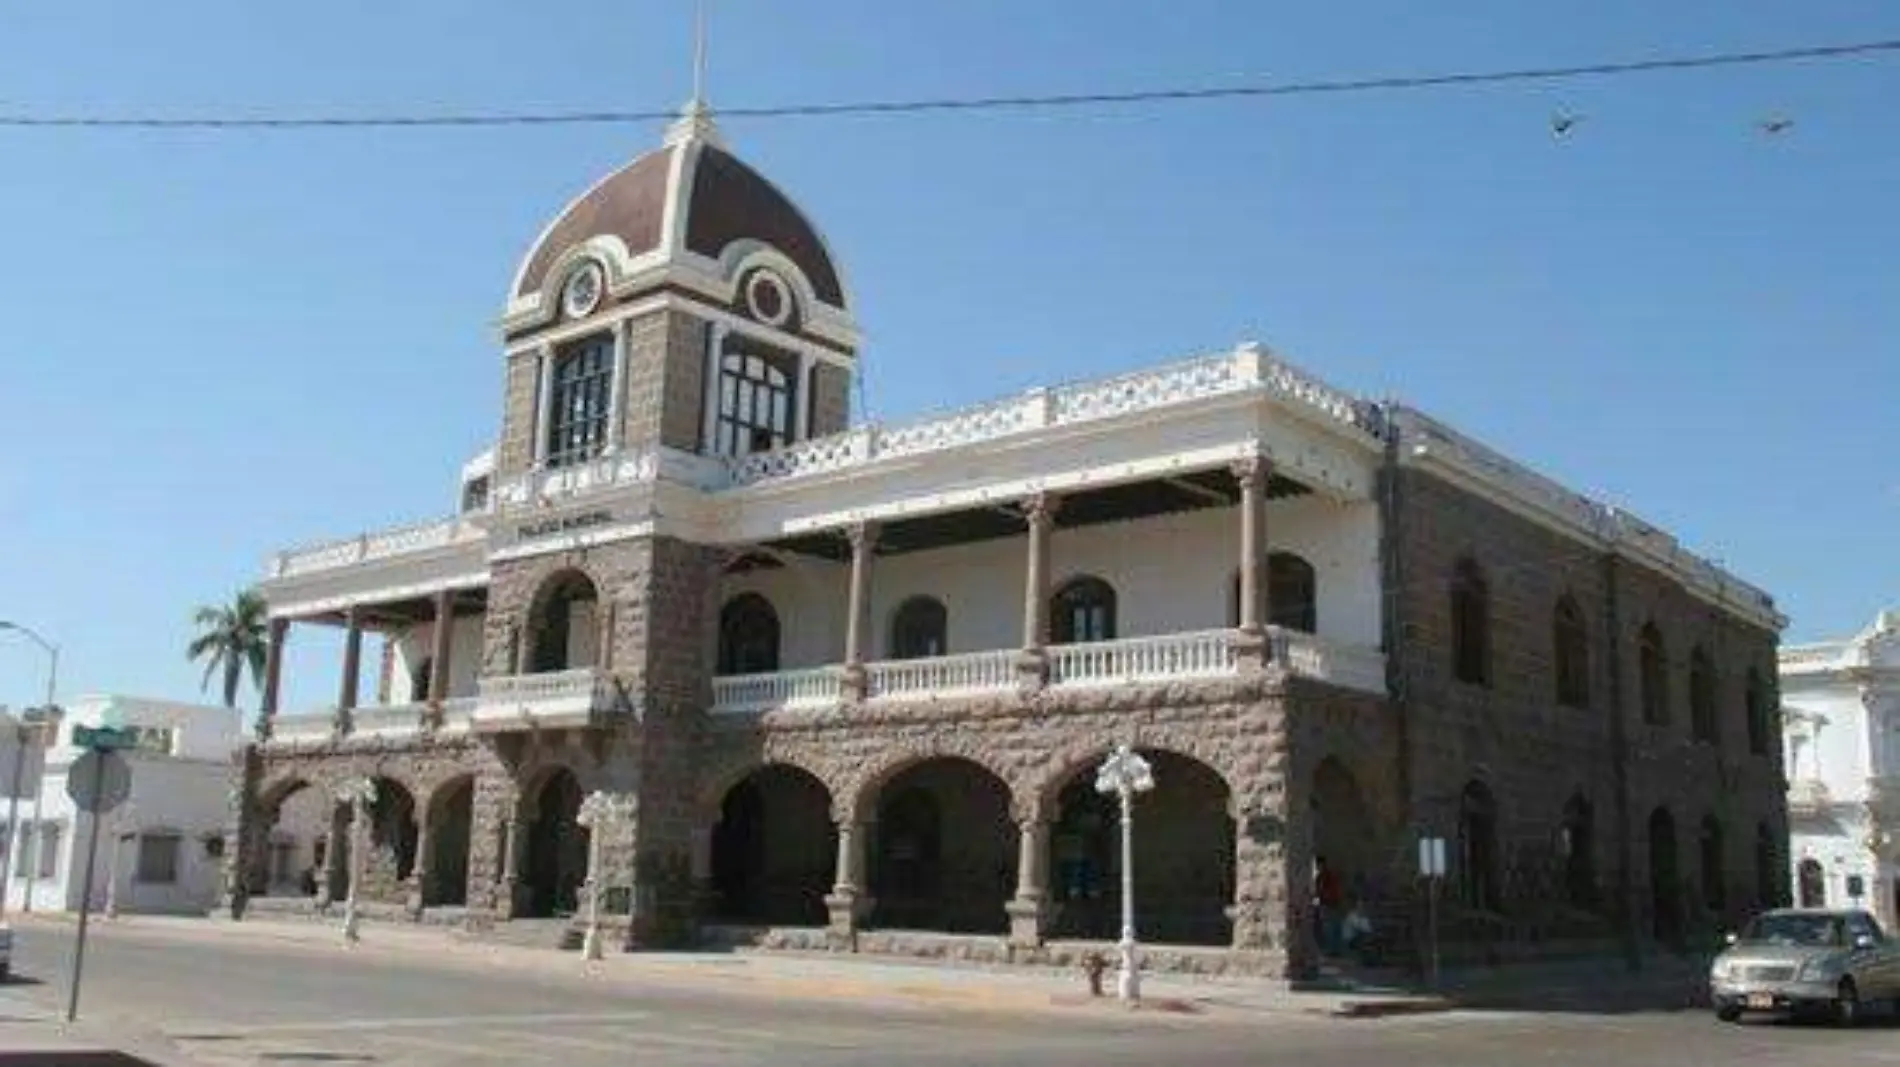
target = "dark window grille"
x: 580, y: 402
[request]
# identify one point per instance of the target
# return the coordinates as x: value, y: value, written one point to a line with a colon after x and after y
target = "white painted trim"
x: 801, y: 399
x: 675, y: 302
x: 680, y: 173
x: 543, y: 395
x: 294, y: 610
x: 605, y: 535
x: 709, y: 419
x: 616, y: 403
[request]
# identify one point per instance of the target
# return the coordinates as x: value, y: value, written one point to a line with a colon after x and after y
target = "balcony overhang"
x: 377, y: 570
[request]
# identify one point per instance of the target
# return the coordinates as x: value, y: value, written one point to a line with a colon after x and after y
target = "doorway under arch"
x: 774, y: 849
x: 557, y: 848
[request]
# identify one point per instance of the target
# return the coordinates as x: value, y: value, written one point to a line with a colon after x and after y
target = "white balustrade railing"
x: 1198, y: 654
x: 554, y: 484
x: 387, y: 720
x: 779, y: 689
x: 303, y: 727
x: 933, y: 676
x: 382, y: 544
x: 1343, y: 665
x: 458, y: 715
x: 580, y: 683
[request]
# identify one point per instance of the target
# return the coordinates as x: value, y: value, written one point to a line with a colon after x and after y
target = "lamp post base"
x: 351, y: 934
x: 1128, y: 982
x: 591, y: 945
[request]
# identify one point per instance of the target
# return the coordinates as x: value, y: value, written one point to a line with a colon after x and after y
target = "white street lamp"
x: 1124, y: 773
x: 359, y: 793
x: 123, y: 818
x: 600, y: 813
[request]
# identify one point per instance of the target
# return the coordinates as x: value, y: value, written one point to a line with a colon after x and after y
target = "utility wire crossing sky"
x: 1386, y: 83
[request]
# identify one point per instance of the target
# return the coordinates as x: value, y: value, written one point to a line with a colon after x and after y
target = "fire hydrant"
x: 1094, y: 965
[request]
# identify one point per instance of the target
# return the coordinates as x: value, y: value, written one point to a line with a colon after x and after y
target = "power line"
x: 1388, y: 83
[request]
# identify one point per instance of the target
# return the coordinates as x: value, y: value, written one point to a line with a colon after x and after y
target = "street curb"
x: 1380, y: 1009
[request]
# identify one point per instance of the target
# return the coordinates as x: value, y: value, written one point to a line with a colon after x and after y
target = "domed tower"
x: 681, y: 302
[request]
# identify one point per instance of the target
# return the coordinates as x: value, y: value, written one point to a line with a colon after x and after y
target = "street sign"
x: 100, y: 794
x: 103, y: 738
x: 1431, y: 857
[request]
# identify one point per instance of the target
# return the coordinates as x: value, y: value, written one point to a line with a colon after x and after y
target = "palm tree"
x: 231, y: 639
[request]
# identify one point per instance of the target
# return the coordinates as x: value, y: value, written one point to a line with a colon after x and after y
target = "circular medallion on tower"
x: 581, y: 294
x: 768, y: 298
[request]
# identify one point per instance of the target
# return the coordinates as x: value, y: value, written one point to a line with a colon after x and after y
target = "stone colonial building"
x: 1840, y: 721
x: 855, y: 679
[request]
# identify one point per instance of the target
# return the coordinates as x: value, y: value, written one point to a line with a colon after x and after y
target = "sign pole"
x: 85, y: 893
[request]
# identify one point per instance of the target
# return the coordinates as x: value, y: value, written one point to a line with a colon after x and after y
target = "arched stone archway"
x: 451, y: 822
x: 394, y: 836
x: 556, y: 860
x: 1184, y: 856
x: 774, y: 849
x: 945, y: 849
x: 1343, y: 832
x: 295, y: 829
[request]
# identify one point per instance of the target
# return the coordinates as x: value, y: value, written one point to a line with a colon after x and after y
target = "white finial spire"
x: 699, y: 52
x: 695, y: 121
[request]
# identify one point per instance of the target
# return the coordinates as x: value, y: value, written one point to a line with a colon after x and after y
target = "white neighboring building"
x: 170, y: 851
x: 1841, y: 725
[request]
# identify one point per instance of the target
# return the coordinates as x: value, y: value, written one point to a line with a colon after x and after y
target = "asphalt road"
x: 246, y: 1002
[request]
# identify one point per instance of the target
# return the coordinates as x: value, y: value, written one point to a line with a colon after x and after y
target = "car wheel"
x: 1728, y: 1013
x: 1846, y: 1004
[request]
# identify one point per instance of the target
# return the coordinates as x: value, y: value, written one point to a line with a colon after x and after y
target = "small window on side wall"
x: 1470, y: 624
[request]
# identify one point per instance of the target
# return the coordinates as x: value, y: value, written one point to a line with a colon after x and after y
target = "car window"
x: 1859, y: 926
x: 1806, y: 931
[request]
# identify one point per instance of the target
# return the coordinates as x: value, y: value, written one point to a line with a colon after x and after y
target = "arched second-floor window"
x: 1652, y: 674
x: 1470, y: 624
x: 1702, y: 713
x: 1570, y: 653
x: 1760, y: 722
x: 748, y: 635
x: 1083, y: 610
x: 1292, y: 594
x: 920, y: 629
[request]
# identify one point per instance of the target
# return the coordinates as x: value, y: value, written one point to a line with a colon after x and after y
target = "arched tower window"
x: 756, y: 400
x: 580, y: 401
x: 1653, y: 675
x: 920, y: 629
x: 1084, y: 611
x: 1570, y: 647
x: 1470, y: 624
x: 748, y: 636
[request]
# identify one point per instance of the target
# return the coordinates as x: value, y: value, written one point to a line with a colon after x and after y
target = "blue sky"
x: 216, y: 345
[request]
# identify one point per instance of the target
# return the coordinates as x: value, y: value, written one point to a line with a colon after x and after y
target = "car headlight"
x: 1721, y: 970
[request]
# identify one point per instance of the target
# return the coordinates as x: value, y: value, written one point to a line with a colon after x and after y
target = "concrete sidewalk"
x: 880, y: 980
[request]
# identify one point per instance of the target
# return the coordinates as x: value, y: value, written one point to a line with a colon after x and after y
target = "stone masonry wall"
x: 1533, y: 754
x: 520, y: 384
x: 664, y: 392
x: 830, y: 400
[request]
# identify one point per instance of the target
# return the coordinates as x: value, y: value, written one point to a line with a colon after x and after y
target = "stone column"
x: 444, y: 642
x: 848, y: 902
x: 1039, y: 511
x: 419, y: 872
x: 1027, y: 910
x: 1252, y: 473
x: 352, y: 670
x: 279, y: 631
x: 863, y: 543
x: 507, y: 887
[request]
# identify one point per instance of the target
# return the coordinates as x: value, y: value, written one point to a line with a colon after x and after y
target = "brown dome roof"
x: 727, y: 201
